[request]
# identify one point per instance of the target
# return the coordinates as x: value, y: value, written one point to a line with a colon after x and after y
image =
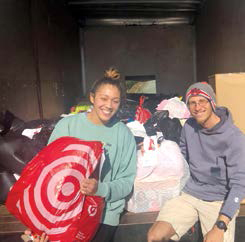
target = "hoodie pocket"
x: 219, y: 171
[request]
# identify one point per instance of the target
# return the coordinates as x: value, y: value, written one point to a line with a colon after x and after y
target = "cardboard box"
x: 230, y: 92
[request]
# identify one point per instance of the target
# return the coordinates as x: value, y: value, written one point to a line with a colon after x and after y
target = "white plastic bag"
x: 162, y: 172
x: 156, y: 163
x: 147, y: 158
x: 176, y: 108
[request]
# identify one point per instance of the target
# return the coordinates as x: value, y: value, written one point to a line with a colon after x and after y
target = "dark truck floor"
x: 133, y: 227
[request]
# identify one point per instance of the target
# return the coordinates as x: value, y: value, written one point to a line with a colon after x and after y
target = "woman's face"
x: 106, y: 101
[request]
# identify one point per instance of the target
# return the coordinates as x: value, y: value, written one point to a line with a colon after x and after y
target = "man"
x: 215, y: 150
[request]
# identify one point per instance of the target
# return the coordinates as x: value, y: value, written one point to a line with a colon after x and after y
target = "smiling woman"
x: 119, y: 168
x: 105, y: 97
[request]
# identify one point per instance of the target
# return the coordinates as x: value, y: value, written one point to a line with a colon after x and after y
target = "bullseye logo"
x: 92, y: 209
x: 52, y: 201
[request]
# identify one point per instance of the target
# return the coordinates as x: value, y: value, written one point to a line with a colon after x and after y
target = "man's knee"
x: 160, y: 231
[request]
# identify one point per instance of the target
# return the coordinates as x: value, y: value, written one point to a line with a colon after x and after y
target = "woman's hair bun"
x: 112, y: 73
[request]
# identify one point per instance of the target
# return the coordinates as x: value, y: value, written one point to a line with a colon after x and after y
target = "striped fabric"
x: 199, y: 92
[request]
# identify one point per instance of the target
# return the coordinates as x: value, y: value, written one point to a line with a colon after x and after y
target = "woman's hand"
x: 42, y: 238
x: 27, y: 237
x: 89, y: 186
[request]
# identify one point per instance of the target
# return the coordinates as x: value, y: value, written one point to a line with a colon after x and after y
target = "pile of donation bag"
x: 161, y: 169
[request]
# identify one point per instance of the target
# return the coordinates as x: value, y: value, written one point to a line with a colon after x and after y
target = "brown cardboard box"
x: 230, y: 92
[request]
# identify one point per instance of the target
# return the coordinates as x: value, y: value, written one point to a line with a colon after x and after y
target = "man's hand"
x: 89, y: 186
x: 214, y: 235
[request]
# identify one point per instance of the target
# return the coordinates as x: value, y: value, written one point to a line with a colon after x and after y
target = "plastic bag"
x: 150, y: 196
x: 176, y: 108
x: 7, y: 180
x: 161, y: 173
x: 170, y: 128
x: 158, y: 163
x: 146, y: 158
x: 15, y: 152
x: 127, y: 110
x: 47, y: 196
x: 10, y: 122
x: 142, y: 114
x: 152, y: 125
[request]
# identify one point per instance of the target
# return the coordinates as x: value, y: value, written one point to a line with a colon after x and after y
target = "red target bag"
x: 47, y: 196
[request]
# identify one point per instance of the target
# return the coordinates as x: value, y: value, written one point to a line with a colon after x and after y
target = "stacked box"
x: 230, y: 90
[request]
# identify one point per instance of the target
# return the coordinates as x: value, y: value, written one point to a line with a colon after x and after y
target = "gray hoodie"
x: 217, y: 161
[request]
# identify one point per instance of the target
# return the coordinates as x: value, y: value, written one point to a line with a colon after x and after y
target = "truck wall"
x: 40, y: 64
x: 40, y: 71
x: 167, y: 52
x: 220, y: 38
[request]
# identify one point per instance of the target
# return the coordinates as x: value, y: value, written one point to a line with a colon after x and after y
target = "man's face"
x: 201, y: 109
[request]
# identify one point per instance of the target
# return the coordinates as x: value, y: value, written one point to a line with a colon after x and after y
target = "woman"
x: 119, y: 169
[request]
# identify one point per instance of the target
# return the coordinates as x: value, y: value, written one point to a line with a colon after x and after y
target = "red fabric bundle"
x: 142, y: 114
x: 47, y: 197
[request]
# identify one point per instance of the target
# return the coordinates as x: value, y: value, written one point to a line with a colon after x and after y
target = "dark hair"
x: 112, y: 77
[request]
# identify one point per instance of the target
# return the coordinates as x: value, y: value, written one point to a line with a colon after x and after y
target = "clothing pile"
x: 19, y: 142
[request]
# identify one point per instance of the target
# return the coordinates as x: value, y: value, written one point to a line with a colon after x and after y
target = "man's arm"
x: 235, y: 162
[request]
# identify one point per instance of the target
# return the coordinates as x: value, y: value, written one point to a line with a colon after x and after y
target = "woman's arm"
x: 123, y: 174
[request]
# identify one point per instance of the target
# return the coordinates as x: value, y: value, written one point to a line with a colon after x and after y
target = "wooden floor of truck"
x: 133, y: 227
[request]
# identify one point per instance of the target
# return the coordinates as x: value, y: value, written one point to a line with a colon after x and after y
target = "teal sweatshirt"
x: 119, y: 168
